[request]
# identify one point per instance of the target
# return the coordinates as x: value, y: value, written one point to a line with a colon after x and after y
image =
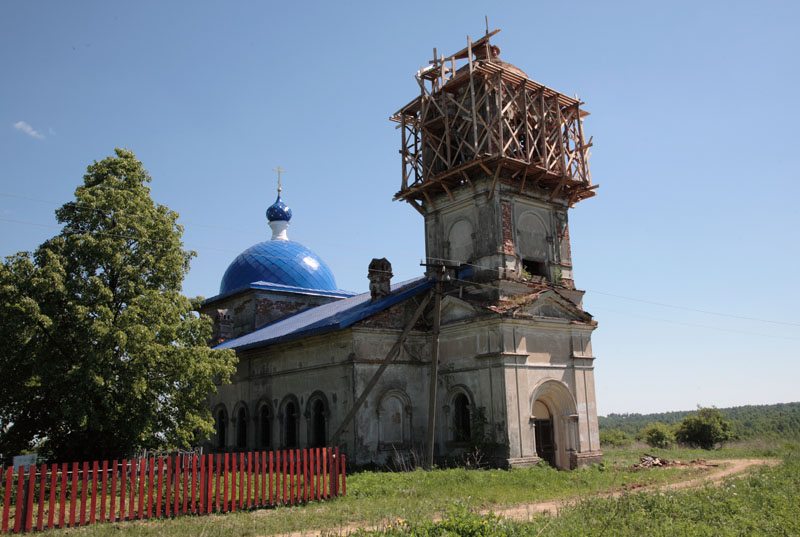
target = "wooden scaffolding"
x: 487, y: 117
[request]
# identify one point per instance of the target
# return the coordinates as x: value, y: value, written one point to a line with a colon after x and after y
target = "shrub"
x: 657, y: 435
x: 615, y: 438
x: 705, y: 429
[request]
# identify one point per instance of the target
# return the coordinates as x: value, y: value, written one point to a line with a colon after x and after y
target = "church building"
x: 489, y: 349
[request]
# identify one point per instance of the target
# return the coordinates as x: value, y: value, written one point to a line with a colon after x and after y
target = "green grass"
x: 377, y: 498
x: 764, y: 503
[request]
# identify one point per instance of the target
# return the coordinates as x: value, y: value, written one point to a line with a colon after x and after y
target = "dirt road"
x: 712, y: 472
x: 715, y: 472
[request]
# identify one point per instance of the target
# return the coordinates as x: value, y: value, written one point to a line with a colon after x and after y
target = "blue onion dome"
x: 279, y: 211
x: 283, y: 262
x: 278, y: 261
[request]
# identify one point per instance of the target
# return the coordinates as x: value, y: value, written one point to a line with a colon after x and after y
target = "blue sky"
x: 693, y: 122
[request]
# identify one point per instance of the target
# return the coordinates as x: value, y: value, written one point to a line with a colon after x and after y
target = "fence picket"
x: 241, y: 477
x: 251, y: 479
x: 123, y: 473
x: 344, y: 479
x: 249, y: 476
x: 209, y: 482
x: 73, y: 494
x: 112, y: 513
x: 52, y: 503
x: 216, y: 494
x: 29, y: 498
x: 7, y: 497
x: 134, y: 471
x: 150, y: 476
x: 103, y: 490
x: 42, y: 487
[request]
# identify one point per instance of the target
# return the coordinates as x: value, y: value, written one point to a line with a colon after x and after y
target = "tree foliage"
x: 615, y: 438
x: 657, y: 435
x: 102, y: 354
x: 705, y: 429
x: 778, y: 421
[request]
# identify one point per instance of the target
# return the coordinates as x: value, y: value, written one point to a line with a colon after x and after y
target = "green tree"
x: 102, y: 354
x: 656, y: 435
x: 615, y: 438
x: 705, y: 429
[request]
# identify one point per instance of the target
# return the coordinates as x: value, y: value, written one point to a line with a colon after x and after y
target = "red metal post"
x: 159, y: 484
x: 151, y: 465
x: 185, y: 470
x: 168, y: 486
x: 225, y: 485
x: 132, y: 500
x: 285, y: 488
x: 20, y: 497
x: 242, y: 471
x: 29, y: 504
x: 325, y: 476
x: 142, y: 481
x: 84, y: 478
x: 42, y: 487
x: 52, y: 504
x: 216, y: 494
x: 7, y: 497
x: 194, y: 484
x: 338, y: 473
x: 249, y: 477
x: 93, y: 493
x: 103, y: 491
x: 317, y: 473
x: 73, y: 496
x: 269, y: 477
x: 201, y: 495
x: 112, y: 513
x: 176, y: 488
x: 209, y: 481
x: 344, y: 477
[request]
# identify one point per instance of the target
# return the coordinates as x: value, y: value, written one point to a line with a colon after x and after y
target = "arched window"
x: 265, y: 426
x: 394, y: 420
x: 461, y: 419
x: 241, y: 428
x: 318, y: 424
x: 290, y: 420
x: 222, y: 425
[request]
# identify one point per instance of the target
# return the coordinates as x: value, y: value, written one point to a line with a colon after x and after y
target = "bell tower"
x: 493, y: 161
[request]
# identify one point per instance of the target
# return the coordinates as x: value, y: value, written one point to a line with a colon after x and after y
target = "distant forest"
x: 780, y: 421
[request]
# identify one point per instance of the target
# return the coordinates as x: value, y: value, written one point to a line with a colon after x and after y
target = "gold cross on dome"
x: 280, y: 171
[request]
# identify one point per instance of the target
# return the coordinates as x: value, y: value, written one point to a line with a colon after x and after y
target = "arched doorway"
x: 554, y: 424
x: 543, y: 433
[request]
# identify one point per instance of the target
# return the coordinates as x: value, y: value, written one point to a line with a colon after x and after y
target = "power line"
x: 451, y: 261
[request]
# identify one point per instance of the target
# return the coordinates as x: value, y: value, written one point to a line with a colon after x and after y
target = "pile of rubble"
x: 649, y: 461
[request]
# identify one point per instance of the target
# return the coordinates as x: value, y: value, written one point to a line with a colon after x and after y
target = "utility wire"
x: 441, y: 260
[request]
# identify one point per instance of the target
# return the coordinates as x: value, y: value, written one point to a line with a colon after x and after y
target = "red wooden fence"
x: 166, y: 487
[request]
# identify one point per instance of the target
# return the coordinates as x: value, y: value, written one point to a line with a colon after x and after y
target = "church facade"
x: 490, y: 349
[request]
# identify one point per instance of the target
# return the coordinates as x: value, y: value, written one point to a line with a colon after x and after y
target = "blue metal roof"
x: 268, y: 286
x: 280, y: 262
x: 326, y: 318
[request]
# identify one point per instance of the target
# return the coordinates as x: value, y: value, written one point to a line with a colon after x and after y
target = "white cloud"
x: 27, y: 129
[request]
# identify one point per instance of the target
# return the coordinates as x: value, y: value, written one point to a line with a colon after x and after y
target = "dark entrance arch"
x: 318, y: 431
x: 543, y: 432
x: 290, y: 425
